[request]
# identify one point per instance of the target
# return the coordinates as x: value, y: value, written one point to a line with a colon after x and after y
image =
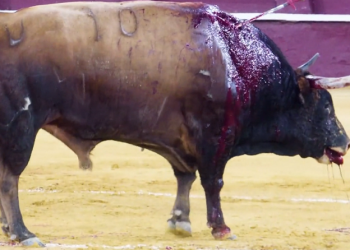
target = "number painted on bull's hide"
x: 14, y: 42
x: 128, y: 22
x: 93, y: 16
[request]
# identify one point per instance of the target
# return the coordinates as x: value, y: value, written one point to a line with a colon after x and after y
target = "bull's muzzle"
x: 334, y: 154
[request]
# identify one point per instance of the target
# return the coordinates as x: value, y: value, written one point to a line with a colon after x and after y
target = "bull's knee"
x: 6, y: 186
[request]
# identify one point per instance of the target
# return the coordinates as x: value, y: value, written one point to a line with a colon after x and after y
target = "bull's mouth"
x: 331, y: 155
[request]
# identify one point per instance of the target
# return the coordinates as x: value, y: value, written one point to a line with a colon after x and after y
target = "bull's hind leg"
x: 180, y: 223
x: 9, y: 199
x: 80, y: 147
x: 16, y: 229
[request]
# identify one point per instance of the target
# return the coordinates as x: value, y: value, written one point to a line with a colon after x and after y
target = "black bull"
x: 197, y: 92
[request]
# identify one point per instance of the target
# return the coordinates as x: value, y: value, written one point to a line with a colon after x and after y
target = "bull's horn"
x: 330, y: 83
x: 307, y: 65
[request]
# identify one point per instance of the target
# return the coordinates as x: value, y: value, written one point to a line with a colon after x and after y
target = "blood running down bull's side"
x: 199, y: 92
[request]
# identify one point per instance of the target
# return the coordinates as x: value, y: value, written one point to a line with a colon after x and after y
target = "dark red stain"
x: 248, y: 61
x: 154, y: 85
x: 130, y: 52
x: 230, y: 123
x: 314, y: 85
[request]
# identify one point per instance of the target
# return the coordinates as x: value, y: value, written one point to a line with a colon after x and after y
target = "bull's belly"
x: 157, y: 124
x: 121, y: 115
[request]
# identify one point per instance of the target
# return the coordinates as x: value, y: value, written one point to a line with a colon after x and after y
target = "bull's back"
x: 129, y: 55
x: 147, y: 41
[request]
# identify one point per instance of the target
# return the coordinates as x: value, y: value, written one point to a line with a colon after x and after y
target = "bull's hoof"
x: 85, y: 164
x: 182, y: 228
x: 32, y: 242
x: 6, y: 230
x: 223, y: 234
x: 171, y: 226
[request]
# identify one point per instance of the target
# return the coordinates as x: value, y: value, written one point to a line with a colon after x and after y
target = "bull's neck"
x: 266, y: 122
x: 268, y: 136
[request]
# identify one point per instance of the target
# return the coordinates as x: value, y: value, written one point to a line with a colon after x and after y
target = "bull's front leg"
x: 211, y: 174
x: 180, y: 223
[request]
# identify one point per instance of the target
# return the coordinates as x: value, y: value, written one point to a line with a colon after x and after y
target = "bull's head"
x: 327, y: 138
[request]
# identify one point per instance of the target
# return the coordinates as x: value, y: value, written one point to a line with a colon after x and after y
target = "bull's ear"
x: 303, y: 82
x: 304, y: 85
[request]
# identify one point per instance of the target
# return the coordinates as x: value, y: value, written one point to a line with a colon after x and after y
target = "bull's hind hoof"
x: 85, y: 164
x: 223, y: 234
x: 32, y: 242
x: 6, y: 230
x: 182, y: 228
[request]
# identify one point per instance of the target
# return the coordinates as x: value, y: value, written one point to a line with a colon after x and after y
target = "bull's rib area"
x: 15, y: 42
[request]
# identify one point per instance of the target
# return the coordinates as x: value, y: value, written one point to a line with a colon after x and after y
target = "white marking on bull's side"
x: 26, y: 105
x: 57, y: 76
x: 161, y: 110
x: 177, y: 212
x: 204, y: 72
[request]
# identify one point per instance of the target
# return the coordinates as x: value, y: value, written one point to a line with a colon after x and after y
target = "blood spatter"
x: 248, y: 60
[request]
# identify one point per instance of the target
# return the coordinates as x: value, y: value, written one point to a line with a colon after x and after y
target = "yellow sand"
x: 72, y: 215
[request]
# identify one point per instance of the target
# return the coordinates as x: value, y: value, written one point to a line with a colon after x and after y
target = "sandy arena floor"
x: 269, y: 202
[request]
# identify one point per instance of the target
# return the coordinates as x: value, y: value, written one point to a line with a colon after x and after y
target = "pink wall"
x: 307, y: 6
x: 299, y: 42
